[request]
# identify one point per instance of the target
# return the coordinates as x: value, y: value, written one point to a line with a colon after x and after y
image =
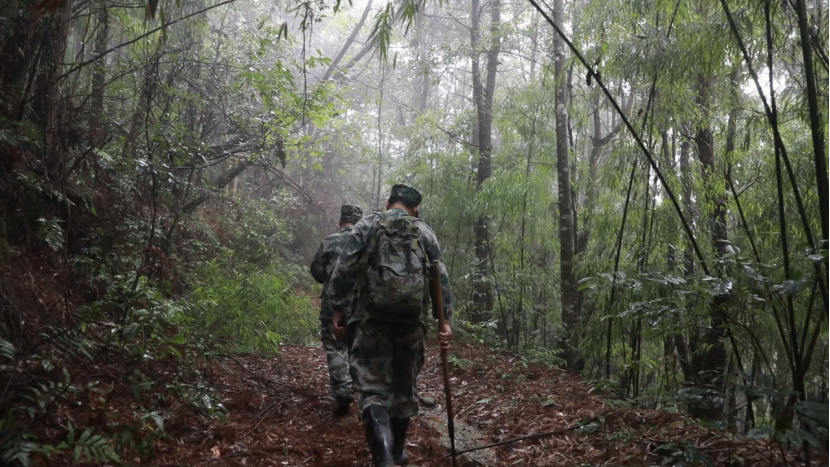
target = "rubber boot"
x: 379, y: 435
x: 399, y: 428
x: 341, y: 406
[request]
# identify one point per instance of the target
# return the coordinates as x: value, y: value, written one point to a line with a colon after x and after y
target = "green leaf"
x: 814, y: 413
x: 174, y: 351
x: 178, y: 339
x: 7, y: 349
x: 586, y: 430
x: 105, y: 156
x: 51, y: 231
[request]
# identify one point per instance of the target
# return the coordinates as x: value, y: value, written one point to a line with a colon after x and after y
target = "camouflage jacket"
x: 324, y: 261
x: 348, y: 268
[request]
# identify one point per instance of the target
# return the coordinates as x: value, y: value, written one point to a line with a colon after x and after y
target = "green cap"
x: 406, y: 193
x: 350, y: 213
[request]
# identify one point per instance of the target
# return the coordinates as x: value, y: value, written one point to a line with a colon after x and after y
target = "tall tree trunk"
x: 570, y: 296
x: 47, y: 96
x: 683, y: 350
x: 96, y: 105
x: 688, y: 201
x: 598, y: 143
x: 22, y: 42
x: 483, y: 97
x: 420, y: 45
x: 816, y: 125
x: 710, y: 361
x: 144, y: 100
x: 534, y: 42
x: 668, y: 158
x: 582, y: 231
x: 671, y: 251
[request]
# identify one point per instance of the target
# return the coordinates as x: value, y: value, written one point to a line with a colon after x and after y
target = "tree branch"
x: 149, y: 33
x: 293, y: 184
x: 220, y: 182
x: 342, y: 52
x: 524, y: 438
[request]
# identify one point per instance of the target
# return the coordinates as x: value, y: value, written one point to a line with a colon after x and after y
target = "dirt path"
x: 466, y: 435
x: 279, y: 416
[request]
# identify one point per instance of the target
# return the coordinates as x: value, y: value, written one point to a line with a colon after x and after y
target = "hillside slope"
x: 279, y: 416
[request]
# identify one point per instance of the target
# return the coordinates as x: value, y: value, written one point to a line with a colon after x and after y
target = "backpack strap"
x: 363, y: 265
x: 427, y: 265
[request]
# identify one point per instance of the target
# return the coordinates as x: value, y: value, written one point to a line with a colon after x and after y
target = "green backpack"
x: 396, y: 273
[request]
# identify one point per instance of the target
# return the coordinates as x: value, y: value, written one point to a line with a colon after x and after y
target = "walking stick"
x: 438, y: 304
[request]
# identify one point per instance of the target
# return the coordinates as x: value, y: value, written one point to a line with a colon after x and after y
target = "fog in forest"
x: 632, y: 192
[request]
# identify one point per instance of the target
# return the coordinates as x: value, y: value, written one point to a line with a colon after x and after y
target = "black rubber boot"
x: 341, y: 406
x: 399, y: 427
x: 379, y: 435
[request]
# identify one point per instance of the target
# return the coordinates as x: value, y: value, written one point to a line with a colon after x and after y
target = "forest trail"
x: 610, y: 175
x: 279, y: 416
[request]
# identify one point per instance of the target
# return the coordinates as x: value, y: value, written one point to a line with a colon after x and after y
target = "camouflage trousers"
x: 385, y: 359
x: 337, y: 357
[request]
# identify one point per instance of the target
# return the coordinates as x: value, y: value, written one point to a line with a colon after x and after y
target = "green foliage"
x: 682, y: 454
x: 89, y: 446
x: 460, y: 363
x: 161, y: 256
x: 7, y: 349
x: 248, y: 310
x: 701, y: 398
x: 18, y: 451
x: 550, y: 357
x: 815, y: 414
x: 604, y: 386
x: 484, y: 332
x: 382, y: 29
x: 52, y: 233
x: 787, y: 437
x: 586, y: 430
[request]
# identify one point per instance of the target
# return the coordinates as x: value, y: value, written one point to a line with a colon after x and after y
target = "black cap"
x: 406, y: 193
x: 350, y: 213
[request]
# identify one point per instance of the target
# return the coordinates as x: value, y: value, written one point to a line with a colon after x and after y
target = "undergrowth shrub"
x: 247, y: 309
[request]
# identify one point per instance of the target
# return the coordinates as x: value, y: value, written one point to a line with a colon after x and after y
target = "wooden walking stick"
x: 438, y: 304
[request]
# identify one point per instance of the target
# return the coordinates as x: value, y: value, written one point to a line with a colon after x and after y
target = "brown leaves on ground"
x: 279, y: 415
x: 505, y: 400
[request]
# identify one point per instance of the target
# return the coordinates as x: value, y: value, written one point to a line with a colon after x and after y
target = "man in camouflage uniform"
x: 386, y: 352
x: 336, y: 349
